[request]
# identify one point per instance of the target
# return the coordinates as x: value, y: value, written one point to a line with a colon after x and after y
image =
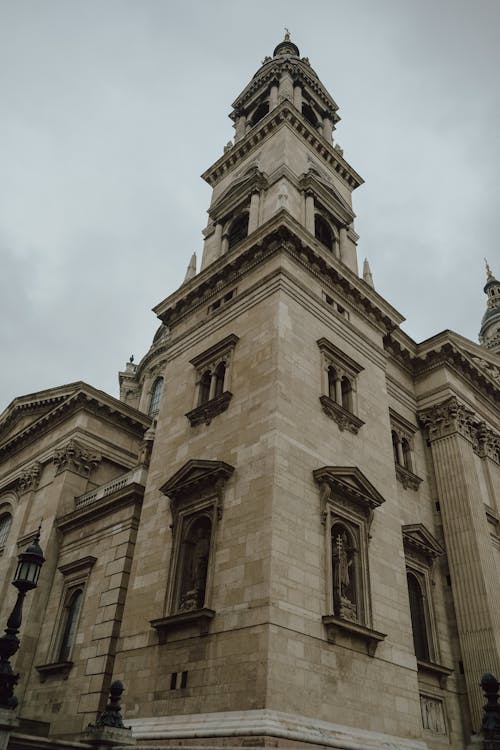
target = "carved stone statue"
x: 195, y: 570
x: 344, y: 599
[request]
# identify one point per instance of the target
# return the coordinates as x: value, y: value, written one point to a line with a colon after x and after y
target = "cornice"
x: 280, y: 234
x: 85, y: 398
x: 284, y: 113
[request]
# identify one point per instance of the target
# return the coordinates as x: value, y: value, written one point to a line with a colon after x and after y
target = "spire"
x: 191, y: 269
x: 367, y: 274
x: 489, y: 335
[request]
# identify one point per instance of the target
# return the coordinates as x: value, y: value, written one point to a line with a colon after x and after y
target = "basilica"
x: 286, y: 531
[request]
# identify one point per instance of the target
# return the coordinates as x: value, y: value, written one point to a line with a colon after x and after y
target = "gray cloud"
x: 110, y: 111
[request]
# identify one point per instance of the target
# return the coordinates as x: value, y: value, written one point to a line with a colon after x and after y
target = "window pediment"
x: 420, y: 543
x: 350, y: 483
x: 195, y: 477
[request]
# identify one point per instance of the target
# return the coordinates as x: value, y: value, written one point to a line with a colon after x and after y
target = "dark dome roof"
x: 286, y: 47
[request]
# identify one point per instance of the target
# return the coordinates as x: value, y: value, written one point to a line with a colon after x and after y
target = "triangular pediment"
x: 351, y: 482
x: 32, y: 415
x: 196, y: 475
x: 418, y: 540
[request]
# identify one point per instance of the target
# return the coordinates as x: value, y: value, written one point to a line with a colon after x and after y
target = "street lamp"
x: 26, y: 577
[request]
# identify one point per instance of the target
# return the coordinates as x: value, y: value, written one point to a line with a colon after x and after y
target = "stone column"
x: 285, y: 87
x: 213, y: 384
x: 224, y: 244
x: 253, y: 219
x: 297, y: 97
x: 273, y: 97
x: 399, y: 451
x: 240, y: 129
x: 327, y: 129
x: 338, y: 391
x: 451, y: 430
x: 343, y: 243
x: 310, y: 212
x: 217, y: 240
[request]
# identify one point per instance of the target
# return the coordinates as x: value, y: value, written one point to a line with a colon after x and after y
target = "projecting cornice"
x: 283, y: 114
x: 280, y: 234
x: 447, y: 349
x: 82, y: 397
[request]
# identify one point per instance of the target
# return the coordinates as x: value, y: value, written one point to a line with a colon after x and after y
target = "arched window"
x: 204, y: 392
x: 418, y: 619
x: 308, y: 113
x: 238, y: 230
x: 344, y: 574
x: 332, y: 377
x: 194, y: 567
x: 156, y: 392
x: 70, y: 623
x: 259, y: 113
x: 219, y: 378
x: 323, y: 232
x: 346, y: 387
x: 5, y: 524
x: 395, y: 446
x: 405, y: 445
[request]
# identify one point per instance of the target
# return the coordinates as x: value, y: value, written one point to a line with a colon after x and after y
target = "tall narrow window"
x: 72, y: 612
x: 323, y: 232
x: 204, y: 392
x: 405, y: 446
x: 417, y: 613
x: 5, y: 524
x: 156, y: 393
x: 332, y: 378
x: 238, y: 230
x: 346, y: 387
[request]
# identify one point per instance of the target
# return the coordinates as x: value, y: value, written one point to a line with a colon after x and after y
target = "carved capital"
x: 486, y: 443
x: 448, y: 418
x: 29, y: 478
x: 77, y: 458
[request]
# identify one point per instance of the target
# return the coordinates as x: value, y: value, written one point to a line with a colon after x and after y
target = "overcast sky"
x: 111, y: 109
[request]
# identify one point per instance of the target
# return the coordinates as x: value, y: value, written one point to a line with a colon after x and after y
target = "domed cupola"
x: 286, y: 47
x: 489, y: 335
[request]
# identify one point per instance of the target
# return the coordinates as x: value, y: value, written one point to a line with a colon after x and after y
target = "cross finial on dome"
x: 287, y: 35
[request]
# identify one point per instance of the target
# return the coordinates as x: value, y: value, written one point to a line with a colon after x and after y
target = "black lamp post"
x: 27, y: 573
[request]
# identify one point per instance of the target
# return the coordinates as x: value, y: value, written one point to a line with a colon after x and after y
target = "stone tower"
x: 287, y: 531
x: 489, y: 335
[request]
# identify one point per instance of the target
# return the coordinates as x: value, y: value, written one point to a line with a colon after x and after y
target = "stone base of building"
x: 259, y: 729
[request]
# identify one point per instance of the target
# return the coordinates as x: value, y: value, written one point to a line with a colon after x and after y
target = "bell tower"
x: 283, y: 158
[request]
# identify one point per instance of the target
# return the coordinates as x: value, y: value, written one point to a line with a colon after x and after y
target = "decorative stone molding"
x: 343, y: 418
x: 432, y: 669
x: 29, y: 478
x: 420, y: 544
x: 76, y: 457
x: 408, y: 479
x: 448, y: 418
x: 433, y: 717
x: 337, y: 626
x: 59, y: 669
x: 200, y: 618
x: 452, y: 417
x: 206, y: 412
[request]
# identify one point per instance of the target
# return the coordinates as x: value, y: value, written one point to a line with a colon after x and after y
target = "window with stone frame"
x: 212, y: 392
x: 196, y: 495
x: 156, y: 394
x: 402, y: 437
x: 76, y: 575
x: 5, y: 524
x: 348, y: 501
x: 339, y: 384
x: 421, y: 552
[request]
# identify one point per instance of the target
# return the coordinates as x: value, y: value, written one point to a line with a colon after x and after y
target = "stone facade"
x: 286, y: 532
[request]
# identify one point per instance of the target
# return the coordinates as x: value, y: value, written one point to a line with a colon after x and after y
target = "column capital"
x: 447, y: 418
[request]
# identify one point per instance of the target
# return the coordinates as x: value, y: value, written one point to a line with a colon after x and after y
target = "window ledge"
x: 207, y: 411
x: 336, y: 626
x: 431, y: 668
x: 199, y: 617
x: 344, y: 419
x: 61, y: 668
x: 407, y: 478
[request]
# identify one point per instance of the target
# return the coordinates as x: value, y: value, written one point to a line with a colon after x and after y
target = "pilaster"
x: 452, y: 430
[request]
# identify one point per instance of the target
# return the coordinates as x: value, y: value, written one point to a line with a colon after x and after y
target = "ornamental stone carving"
x: 76, y: 457
x: 451, y: 417
x: 29, y: 478
x: 448, y: 418
x: 432, y: 714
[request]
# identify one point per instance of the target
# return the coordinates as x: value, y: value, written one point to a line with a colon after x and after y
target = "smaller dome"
x: 286, y: 47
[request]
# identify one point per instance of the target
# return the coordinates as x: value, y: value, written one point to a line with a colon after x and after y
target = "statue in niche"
x: 344, y: 591
x: 195, y: 566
